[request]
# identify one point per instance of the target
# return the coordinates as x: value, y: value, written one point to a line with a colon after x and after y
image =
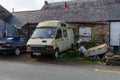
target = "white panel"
x: 115, y: 33
x: 85, y: 33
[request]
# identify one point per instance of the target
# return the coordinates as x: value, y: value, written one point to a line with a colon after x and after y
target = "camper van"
x: 50, y: 38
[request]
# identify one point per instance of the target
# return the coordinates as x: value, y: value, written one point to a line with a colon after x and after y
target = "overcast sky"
x: 23, y: 5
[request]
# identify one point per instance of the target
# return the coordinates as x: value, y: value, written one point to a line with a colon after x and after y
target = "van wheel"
x: 72, y: 47
x: 17, y: 52
x: 56, y: 54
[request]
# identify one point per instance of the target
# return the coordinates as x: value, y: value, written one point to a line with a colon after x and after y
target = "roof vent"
x: 13, y: 10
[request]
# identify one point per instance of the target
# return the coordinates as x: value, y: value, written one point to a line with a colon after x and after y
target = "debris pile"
x: 97, y: 50
x: 112, y: 60
x: 94, y: 51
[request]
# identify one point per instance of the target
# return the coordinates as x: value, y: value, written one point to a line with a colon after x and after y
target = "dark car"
x: 13, y: 44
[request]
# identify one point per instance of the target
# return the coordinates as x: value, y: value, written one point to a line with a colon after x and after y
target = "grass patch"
x: 70, y: 56
x: 90, y: 62
x: 116, y: 53
x: 75, y: 56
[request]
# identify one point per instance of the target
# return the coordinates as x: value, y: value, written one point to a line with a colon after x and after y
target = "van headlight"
x: 49, y: 48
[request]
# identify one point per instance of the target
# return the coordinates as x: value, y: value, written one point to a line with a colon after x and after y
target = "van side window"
x: 63, y: 25
x: 65, y: 33
x: 59, y: 34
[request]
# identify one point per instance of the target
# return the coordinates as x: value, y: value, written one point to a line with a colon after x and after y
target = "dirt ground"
x: 25, y: 58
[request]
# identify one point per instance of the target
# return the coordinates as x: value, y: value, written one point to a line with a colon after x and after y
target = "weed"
x: 91, y: 43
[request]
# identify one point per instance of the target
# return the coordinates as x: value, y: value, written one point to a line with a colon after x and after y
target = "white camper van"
x: 50, y: 37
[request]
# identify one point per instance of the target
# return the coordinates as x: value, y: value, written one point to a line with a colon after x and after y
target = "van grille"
x: 38, y: 48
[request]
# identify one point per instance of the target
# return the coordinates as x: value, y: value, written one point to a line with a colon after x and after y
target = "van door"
x: 59, y: 40
x: 65, y: 40
x: 70, y: 35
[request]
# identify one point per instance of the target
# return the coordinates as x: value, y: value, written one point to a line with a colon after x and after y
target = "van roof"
x: 51, y: 24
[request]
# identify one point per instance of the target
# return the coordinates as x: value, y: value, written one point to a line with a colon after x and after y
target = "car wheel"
x: 17, y: 52
x: 56, y: 54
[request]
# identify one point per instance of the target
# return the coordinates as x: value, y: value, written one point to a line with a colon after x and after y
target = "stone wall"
x: 98, y: 30
x: 101, y: 32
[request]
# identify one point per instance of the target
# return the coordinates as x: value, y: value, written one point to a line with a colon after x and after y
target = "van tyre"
x: 72, y: 47
x: 17, y: 52
x: 56, y: 54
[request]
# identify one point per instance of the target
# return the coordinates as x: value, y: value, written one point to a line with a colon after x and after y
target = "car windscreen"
x: 44, y: 33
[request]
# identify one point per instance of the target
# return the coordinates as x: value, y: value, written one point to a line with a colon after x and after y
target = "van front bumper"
x: 41, y: 50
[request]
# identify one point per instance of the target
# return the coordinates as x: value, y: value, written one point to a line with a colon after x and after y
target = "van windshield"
x: 44, y: 33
